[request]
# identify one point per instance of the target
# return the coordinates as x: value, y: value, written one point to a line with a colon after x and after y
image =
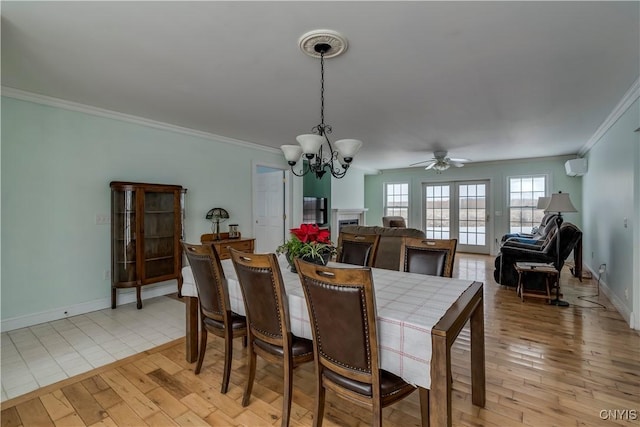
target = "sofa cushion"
x: 388, y: 256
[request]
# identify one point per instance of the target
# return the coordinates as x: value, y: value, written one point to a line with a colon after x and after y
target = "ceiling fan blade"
x: 419, y: 163
x: 459, y: 160
x: 456, y: 164
x: 430, y: 166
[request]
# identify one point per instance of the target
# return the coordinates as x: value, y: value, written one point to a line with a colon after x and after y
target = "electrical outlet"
x: 103, y: 219
x: 107, y: 274
x: 626, y: 294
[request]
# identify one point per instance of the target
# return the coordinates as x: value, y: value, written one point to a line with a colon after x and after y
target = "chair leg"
x: 318, y: 412
x: 228, y: 357
x: 252, y: 375
x: 424, y: 406
x: 203, y: 347
x: 288, y: 389
x: 244, y: 341
x: 377, y: 412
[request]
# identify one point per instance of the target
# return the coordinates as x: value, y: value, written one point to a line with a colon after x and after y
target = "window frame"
x: 536, y: 214
x: 385, y: 200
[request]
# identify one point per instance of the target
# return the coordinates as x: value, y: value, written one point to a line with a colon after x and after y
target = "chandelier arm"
x: 334, y: 153
x: 302, y: 172
x: 338, y: 173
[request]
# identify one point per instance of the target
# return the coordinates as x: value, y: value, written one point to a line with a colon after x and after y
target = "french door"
x: 458, y: 210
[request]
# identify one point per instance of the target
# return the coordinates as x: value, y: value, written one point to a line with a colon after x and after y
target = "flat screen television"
x: 314, y: 210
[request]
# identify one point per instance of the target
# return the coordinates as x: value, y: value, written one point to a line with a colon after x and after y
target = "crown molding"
x: 101, y: 112
x: 629, y: 98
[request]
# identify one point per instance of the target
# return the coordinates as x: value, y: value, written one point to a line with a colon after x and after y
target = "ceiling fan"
x: 440, y: 162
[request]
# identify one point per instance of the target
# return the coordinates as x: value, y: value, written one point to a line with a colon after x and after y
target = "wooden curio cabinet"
x: 146, y: 229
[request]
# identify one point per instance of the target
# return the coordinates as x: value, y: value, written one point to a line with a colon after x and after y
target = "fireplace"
x: 343, y: 222
x: 342, y: 217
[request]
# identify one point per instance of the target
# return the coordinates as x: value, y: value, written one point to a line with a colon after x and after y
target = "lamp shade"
x: 348, y: 147
x: 543, y: 202
x: 310, y: 143
x: 291, y: 152
x: 217, y: 214
x: 560, y: 202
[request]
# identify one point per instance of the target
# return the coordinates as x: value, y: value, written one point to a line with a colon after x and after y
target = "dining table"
x: 418, y: 319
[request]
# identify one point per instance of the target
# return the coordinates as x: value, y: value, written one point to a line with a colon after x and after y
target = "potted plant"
x: 308, y: 242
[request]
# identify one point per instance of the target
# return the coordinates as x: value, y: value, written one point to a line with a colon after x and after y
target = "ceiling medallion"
x: 337, y: 43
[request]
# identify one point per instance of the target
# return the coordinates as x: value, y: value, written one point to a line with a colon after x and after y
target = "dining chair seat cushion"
x: 426, y: 262
x: 390, y: 384
x: 237, y: 322
x: 299, y: 347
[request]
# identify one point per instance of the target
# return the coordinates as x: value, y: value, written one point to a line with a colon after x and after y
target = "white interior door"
x: 269, y: 209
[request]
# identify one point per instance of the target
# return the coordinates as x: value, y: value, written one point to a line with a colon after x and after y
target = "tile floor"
x: 46, y: 353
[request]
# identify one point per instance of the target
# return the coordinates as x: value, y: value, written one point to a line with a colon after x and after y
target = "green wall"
x: 497, y: 173
x: 56, y: 169
x: 611, y: 195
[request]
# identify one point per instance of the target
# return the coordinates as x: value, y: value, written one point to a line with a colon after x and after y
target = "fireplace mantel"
x: 338, y: 215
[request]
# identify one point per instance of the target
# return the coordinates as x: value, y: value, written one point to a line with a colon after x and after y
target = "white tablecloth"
x: 408, y: 304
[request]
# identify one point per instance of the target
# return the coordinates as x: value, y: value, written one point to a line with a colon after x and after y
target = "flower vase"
x: 319, y: 261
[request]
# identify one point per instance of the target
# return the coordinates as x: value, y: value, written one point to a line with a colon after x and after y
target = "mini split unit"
x: 576, y: 167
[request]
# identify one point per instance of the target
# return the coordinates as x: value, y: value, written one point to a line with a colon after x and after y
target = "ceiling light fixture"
x: 322, y: 44
x: 440, y: 166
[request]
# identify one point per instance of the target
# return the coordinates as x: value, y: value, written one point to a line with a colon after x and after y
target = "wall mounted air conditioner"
x: 576, y: 167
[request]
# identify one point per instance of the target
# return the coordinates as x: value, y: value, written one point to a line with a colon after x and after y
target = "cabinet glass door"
x: 159, y: 234
x: 124, y: 236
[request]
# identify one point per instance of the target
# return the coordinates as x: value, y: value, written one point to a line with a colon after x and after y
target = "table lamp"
x: 216, y: 216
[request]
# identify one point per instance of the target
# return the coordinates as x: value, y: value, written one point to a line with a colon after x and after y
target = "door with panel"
x: 458, y: 210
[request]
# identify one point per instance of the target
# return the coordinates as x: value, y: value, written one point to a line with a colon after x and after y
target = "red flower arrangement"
x: 308, y: 242
x: 309, y: 233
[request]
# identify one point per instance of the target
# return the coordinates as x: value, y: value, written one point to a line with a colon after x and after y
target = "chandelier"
x: 320, y: 156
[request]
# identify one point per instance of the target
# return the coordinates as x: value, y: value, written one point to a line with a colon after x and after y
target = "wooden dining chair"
x: 342, y: 310
x: 357, y: 249
x: 268, y: 322
x: 213, y: 301
x: 434, y: 257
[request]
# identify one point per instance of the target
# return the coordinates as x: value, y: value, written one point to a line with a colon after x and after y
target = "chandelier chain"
x: 321, y: 92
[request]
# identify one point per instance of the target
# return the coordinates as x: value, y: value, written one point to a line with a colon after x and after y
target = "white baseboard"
x: 624, y: 311
x: 125, y: 296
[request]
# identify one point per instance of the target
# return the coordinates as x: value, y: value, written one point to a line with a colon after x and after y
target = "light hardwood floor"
x: 545, y: 366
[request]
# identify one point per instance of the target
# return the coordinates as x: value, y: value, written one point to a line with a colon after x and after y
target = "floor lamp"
x: 560, y: 202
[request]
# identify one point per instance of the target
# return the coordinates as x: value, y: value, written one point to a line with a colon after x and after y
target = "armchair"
x: 510, y: 253
x: 538, y: 235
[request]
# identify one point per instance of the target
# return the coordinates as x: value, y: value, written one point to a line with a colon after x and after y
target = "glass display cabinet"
x: 146, y: 229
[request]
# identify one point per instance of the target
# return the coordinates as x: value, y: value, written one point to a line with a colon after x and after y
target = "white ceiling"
x: 483, y: 80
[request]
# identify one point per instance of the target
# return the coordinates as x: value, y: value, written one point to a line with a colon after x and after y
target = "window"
x: 396, y: 200
x: 523, y: 198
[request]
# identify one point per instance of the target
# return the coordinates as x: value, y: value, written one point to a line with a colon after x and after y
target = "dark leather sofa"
x: 513, y: 251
